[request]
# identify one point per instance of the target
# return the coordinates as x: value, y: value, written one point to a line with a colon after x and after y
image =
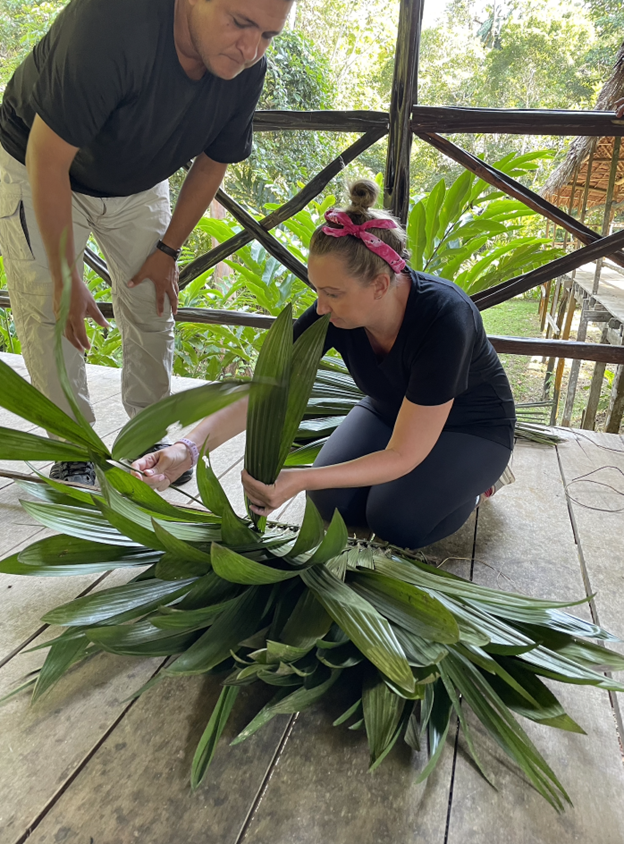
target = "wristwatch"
x: 168, y: 250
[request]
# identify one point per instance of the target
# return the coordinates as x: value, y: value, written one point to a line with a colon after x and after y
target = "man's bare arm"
x: 48, y: 159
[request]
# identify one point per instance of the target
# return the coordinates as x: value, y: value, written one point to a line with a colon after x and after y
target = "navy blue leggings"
x: 429, y: 503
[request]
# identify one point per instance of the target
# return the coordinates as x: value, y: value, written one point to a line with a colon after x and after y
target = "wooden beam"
x: 284, y: 212
x: 320, y: 121
x: 561, y: 266
x: 513, y: 188
x: 515, y: 121
x: 396, y: 196
x: 273, y: 246
x: 96, y: 263
x: 504, y: 345
x: 558, y: 348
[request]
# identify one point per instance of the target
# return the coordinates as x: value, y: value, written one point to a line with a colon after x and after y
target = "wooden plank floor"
x: 89, y: 766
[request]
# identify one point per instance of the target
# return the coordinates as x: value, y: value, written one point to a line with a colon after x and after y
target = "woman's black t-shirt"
x: 441, y: 353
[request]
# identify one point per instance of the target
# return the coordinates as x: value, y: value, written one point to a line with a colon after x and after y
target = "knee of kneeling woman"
x: 404, y: 534
x: 324, y: 502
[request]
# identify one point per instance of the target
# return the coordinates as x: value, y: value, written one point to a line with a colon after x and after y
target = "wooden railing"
x: 405, y: 120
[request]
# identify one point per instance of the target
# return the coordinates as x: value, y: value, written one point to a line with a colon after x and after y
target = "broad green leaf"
x: 238, y: 621
x: 546, y: 709
x: 174, y: 567
x: 235, y: 532
x: 437, y: 723
x: 503, y: 728
x: 497, y: 667
x: 20, y: 445
x: 183, y: 550
x: 100, y: 606
x: 433, y: 205
x: 279, y: 652
x: 559, y: 667
x: 208, y: 742
x: 139, y: 639
x: 239, y: 569
x: 207, y: 590
x: 266, y: 414
x: 62, y: 655
x: 334, y: 541
x: 350, y: 712
x: 417, y: 235
x: 311, y: 532
x: 408, y: 606
x: 306, y: 455
x: 419, y: 652
x: 306, y: 355
x: 369, y: 631
x: 63, y: 555
x: 454, y: 201
x: 148, y: 499
x: 210, y: 489
x: 308, y: 623
x: 76, y: 521
x: 131, y: 523
x: 382, y: 713
x: 151, y: 424
x: 57, y: 492
x: 592, y: 656
x: 176, y: 619
x: 18, y: 396
x: 297, y: 701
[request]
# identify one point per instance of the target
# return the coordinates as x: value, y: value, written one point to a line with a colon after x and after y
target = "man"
x: 116, y: 97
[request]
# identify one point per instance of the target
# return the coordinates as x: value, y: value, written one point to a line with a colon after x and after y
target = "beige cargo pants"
x: 127, y: 230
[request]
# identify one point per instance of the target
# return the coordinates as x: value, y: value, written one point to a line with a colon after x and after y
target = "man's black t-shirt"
x: 441, y: 353
x: 106, y: 78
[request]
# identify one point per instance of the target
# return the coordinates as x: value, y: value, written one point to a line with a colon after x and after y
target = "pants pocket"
x: 14, y: 238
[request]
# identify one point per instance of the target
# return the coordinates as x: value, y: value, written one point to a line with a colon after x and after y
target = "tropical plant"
x: 468, y: 232
x: 300, y: 609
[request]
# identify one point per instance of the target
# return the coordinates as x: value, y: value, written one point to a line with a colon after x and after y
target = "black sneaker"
x: 184, y: 478
x: 74, y: 472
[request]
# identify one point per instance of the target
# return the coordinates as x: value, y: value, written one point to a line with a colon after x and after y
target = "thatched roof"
x: 559, y: 186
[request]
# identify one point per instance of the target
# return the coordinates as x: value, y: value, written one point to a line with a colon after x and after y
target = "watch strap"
x: 168, y: 250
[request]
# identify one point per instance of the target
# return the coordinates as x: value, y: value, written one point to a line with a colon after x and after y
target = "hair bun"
x: 363, y: 195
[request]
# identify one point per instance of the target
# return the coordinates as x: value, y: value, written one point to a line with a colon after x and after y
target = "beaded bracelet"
x: 193, y: 450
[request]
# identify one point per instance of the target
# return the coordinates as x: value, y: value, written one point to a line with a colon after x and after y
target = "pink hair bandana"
x: 347, y: 226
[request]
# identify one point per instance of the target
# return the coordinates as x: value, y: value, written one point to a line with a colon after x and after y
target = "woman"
x: 435, y: 429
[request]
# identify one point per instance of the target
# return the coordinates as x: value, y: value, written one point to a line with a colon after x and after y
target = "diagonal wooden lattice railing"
x: 405, y: 120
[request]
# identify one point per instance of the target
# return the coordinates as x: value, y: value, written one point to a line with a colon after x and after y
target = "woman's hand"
x: 263, y: 498
x: 161, y: 468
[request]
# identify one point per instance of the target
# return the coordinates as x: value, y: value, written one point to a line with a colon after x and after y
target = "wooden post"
x: 575, y: 367
x: 616, y: 407
x: 606, y: 223
x: 565, y: 335
x: 589, y: 417
x: 404, y: 91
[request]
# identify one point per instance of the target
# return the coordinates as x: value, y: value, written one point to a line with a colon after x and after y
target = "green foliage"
x: 413, y: 643
x: 472, y: 234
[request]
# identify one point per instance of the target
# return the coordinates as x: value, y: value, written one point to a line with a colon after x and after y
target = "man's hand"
x: 160, y: 468
x: 82, y: 305
x: 162, y: 271
x: 619, y: 108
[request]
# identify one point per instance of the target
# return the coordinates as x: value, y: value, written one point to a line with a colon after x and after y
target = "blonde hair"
x: 358, y: 258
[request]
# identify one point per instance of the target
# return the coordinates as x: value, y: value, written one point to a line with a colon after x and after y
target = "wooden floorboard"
x: 85, y: 765
x: 525, y: 542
